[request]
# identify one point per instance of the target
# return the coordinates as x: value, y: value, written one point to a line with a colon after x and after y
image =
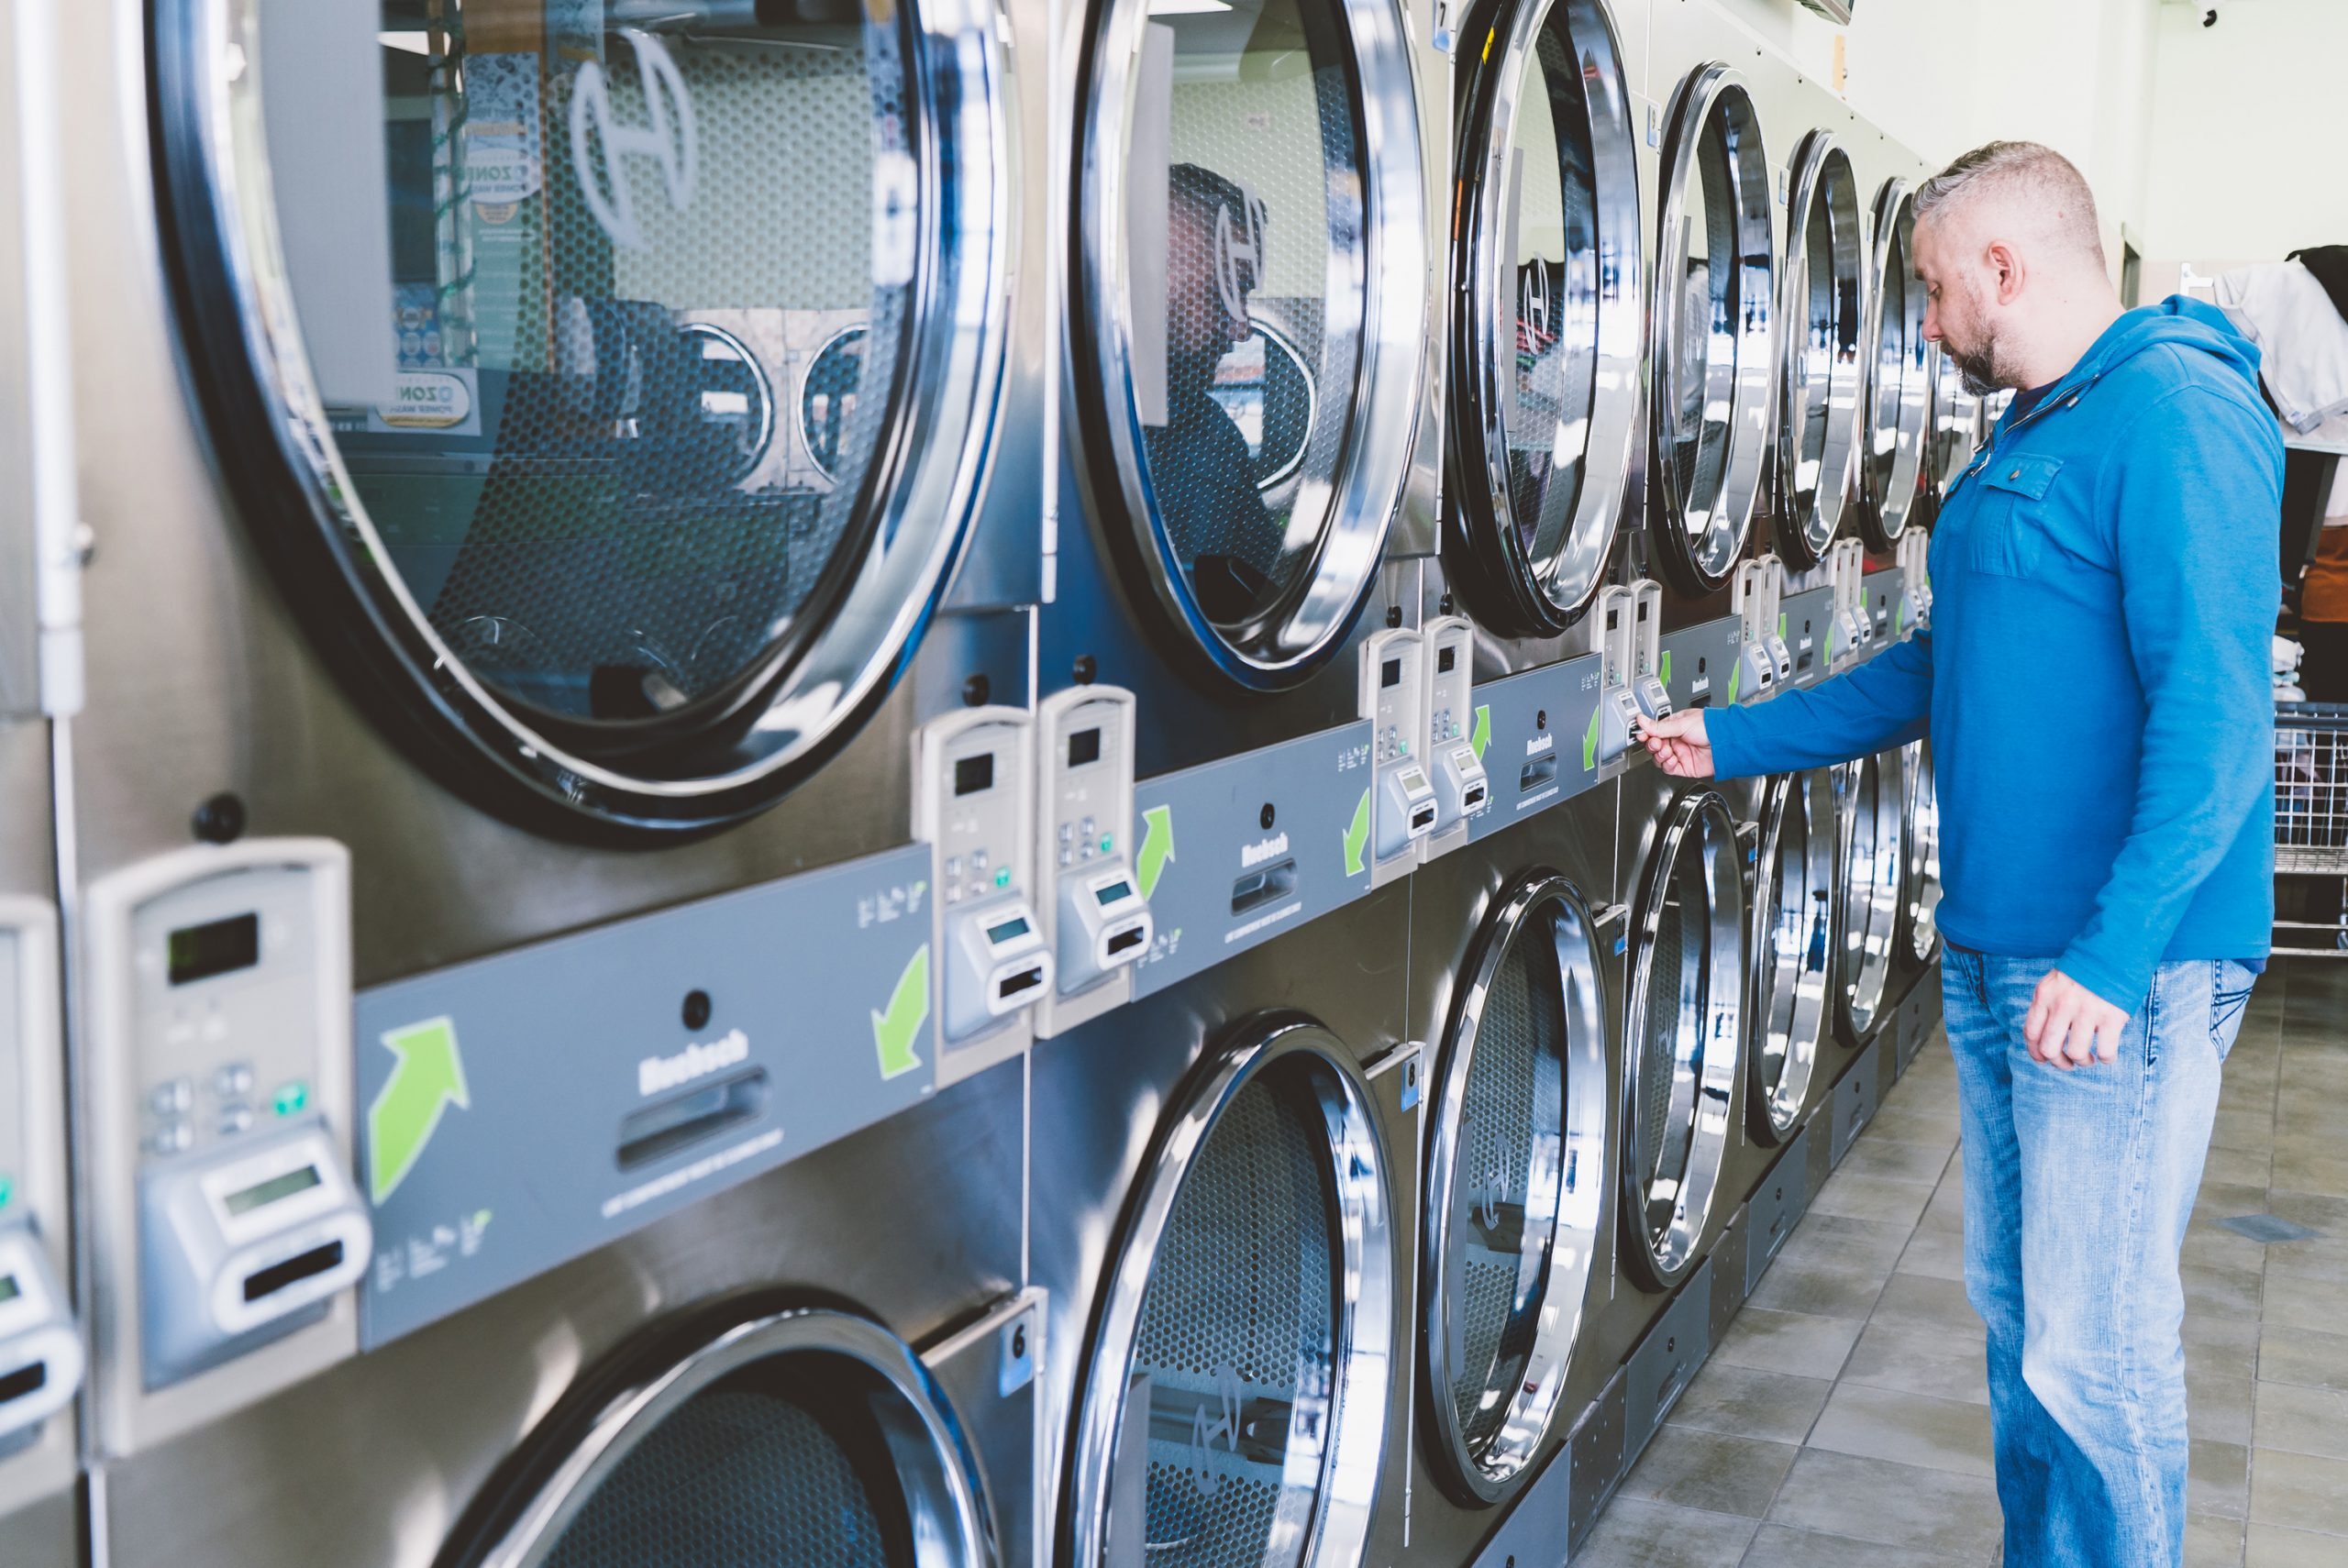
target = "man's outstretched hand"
x: 1678, y: 743
x: 2070, y: 1026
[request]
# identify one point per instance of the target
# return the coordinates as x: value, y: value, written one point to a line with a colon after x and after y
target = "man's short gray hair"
x: 2050, y: 185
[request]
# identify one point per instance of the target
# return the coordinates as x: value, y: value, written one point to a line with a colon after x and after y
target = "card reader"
x: 1618, y: 710
x: 1646, y: 649
x: 1461, y: 789
x: 41, y: 1352
x: 1402, y: 800
x: 973, y: 805
x: 1096, y: 921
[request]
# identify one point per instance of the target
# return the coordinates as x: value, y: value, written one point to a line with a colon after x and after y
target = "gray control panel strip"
x: 1235, y: 851
x: 522, y: 1110
x: 1806, y: 620
x: 1537, y: 735
x: 1698, y: 664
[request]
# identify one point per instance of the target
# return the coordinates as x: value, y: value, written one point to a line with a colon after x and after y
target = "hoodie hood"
x: 2188, y: 323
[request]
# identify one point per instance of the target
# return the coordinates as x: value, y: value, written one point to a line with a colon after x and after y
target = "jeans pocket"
x: 2229, y: 987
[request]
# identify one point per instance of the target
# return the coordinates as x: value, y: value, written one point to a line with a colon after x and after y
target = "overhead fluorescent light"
x: 1188, y: 7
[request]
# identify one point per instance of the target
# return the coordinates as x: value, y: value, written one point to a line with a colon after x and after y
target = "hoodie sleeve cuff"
x: 1730, y: 731
x: 2115, y: 984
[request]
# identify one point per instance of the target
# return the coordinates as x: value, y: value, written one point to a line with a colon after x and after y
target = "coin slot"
x: 1537, y: 774
x: 1263, y: 886
x: 660, y: 1130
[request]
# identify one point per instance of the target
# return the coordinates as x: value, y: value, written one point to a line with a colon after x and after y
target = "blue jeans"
x: 2078, y: 1187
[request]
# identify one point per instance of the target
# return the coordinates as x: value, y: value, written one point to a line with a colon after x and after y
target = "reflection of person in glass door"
x: 1199, y: 465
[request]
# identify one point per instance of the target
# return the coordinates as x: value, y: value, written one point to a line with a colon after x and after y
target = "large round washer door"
x: 1250, y: 260
x: 1683, y: 1034
x: 1716, y: 268
x: 1818, y: 400
x: 1955, y: 424
x: 1232, y: 1409
x: 609, y: 384
x: 809, y: 1437
x: 1872, y: 870
x: 1899, y: 395
x: 1796, y: 927
x: 1518, y: 1172
x: 1546, y: 335
x: 1920, y: 882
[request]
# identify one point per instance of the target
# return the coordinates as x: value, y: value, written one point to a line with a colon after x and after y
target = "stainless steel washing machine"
x: 1796, y: 939
x: 1819, y: 396
x: 1898, y: 377
x: 1224, y: 1209
x: 1516, y: 979
x: 562, y: 434
x: 1873, y: 812
x: 1248, y: 372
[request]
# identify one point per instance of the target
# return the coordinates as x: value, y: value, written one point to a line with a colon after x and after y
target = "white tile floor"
x: 1844, y: 1417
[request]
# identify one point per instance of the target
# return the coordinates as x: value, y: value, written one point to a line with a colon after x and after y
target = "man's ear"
x: 2005, y: 265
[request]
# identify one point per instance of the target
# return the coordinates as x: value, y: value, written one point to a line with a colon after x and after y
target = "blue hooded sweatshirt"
x: 2096, y: 681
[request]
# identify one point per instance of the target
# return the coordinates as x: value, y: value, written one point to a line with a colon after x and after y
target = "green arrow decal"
x: 1156, y: 848
x: 428, y: 1077
x: 894, y: 1030
x: 1735, y: 675
x: 1665, y: 673
x: 1357, y: 836
x: 1900, y: 622
x: 1781, y: 623
x: 1481, y: 736
x: 1590, y: 744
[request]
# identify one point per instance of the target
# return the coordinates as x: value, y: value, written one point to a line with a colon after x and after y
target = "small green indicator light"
x: 7, y: 1189
x: 291, y: 1098
x: 1002, y: 877
x: 1108, y: 842
x: 1404, y: 750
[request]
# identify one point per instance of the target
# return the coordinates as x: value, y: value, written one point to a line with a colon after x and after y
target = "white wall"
x: 2249, y: 146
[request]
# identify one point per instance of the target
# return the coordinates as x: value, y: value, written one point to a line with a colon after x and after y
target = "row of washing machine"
x: 782, y: 773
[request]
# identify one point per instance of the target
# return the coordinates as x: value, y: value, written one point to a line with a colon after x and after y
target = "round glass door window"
x: 505, y: 397
x: 1715, y: 283
x: 1795, y: 932
x: 1251, y: 271
x: 1233, y: 1405
x: 1518, y: 1172
x: 1683, y: 1032
x: 1898, y: 376
x: 802, y: 1438
x: 1955, y: 424
x: 1547, y: 335
x: 1920, y: 885
x: 1873, y: 869
x: 1817, y: 427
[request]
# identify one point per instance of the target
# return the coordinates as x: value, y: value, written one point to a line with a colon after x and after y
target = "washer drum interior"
x: 513, y: 414
x: 1819, y: 397
x: 1920, y: 882
x: 1683, y: 1034
x: 1249, y: 266
x: 805, y: 1436
x: 1519, y: 1176
x: 1872, y: 872
x: 1233, y: 1399
x: 1898, y: 391
x: 1547, y: 329
x: 1712, y: 345
x: 1797, y: 916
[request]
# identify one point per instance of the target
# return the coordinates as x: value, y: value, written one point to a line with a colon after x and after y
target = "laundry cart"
x: 2311, y: 829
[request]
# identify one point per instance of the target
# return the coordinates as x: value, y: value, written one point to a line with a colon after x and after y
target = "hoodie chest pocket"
x: 2010, y: 527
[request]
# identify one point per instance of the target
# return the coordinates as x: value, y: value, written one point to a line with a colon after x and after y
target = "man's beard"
x: 1978, y: 366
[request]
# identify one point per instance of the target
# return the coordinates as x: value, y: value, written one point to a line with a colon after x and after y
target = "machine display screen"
x: 972, y: 774
x: 1114, y: 891
x: 268, y: 1192
x: 1414, y: 780
x: 1390, y: 673
x: 200, y: 952
x: 1015, y: 926
x: 10, y: 1290
x: 1445, y: 658
x: 1083, y: 746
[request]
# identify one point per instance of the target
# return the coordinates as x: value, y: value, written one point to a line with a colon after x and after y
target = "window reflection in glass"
x: 1243, y: 246
x: 617, y: 234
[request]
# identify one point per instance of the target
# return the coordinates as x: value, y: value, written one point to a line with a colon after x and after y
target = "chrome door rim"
x: 1790, y: 999
x: 1666, y: 1255
x: 1543, y: 590
x: 1703, y: 560
x: 220, y: 216
x: 1573, y: 1214
x: 1920, y: 884
x: 1871, y: 878
x: 1311, y: 621
x: 1891, y: 460
x: 1955, y: 423
x: 951, y: 1527
x: 1347, y: 1487
x: 1825, y: 188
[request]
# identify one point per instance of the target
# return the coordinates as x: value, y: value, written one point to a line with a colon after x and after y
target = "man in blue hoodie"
x: 2095, y: 684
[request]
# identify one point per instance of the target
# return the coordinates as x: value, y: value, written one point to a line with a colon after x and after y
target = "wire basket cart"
x: 2311, y: 829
